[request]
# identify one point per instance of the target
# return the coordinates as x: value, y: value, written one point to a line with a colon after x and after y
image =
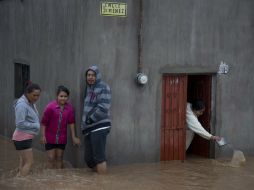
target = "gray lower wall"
x: 61, y: 38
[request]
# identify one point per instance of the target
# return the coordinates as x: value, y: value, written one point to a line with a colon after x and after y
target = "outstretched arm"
x: 194, y: 125
x: 75, y: 140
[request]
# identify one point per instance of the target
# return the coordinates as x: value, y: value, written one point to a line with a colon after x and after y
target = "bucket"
x: 221, y: 142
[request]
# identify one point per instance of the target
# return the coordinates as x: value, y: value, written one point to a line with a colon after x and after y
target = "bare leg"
x: 21, y: 162
x: 101, y: 168
x: 26, y: 161
x: 51, y: 158
x: 20, y: 165
x: 59, y: 158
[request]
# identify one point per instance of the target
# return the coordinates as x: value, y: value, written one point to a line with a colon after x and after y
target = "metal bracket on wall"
x: 223, y: 68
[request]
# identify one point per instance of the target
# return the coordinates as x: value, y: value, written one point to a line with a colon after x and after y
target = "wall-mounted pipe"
x: 141, y: 77
x: 140, y: 38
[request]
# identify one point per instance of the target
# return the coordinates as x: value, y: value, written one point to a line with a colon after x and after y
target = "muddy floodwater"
x: 195, y: 173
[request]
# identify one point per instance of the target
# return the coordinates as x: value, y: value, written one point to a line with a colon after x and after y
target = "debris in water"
x: 238, y: 159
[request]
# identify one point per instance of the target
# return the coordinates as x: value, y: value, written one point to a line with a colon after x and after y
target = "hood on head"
x: 95, y: 69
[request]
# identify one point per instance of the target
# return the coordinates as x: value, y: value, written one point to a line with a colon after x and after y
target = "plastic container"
x: 222, y: 142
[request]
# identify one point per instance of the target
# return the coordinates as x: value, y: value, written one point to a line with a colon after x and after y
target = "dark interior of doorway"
x: 199, y: 87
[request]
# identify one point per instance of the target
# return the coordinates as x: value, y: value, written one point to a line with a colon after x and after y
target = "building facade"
x: 179, y: 45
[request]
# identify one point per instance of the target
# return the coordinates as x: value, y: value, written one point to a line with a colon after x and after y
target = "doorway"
x: 177, y: 90
x: 199, y: 87
x: 21, y: 77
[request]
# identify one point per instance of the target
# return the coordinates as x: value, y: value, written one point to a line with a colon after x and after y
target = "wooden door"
x: 199, y: 87
x: 173, y: 130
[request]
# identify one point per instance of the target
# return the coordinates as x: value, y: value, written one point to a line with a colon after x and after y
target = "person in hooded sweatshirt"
x: 27, y: 126
x: 96, y: 121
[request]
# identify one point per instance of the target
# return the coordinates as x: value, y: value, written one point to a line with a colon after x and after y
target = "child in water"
x: 57, y: 115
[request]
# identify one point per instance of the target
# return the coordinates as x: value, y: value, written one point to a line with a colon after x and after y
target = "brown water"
x: 194, y: 173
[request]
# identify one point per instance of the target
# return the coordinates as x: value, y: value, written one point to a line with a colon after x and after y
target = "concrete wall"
x: 204, y: 33
x: 61, y: 38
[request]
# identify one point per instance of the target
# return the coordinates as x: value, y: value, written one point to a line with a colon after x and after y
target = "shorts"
x: 22, y: 145
x: 95, y: 146
x: 54, y: 146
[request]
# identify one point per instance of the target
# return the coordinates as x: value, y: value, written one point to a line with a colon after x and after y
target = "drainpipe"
x: 141, y: 77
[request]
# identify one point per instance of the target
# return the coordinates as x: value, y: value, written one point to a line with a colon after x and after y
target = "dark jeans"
x: 95, y: 146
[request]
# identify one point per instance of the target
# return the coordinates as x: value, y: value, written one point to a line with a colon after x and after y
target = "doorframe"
x: 213, y: 122
x: 198, y: 70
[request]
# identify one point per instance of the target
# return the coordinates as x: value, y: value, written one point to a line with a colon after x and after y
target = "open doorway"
x: 177, y: 90
x: 21, y: 77
x: 199, y: 87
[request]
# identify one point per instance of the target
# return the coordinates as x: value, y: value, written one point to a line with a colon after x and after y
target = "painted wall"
x: 59, y: 39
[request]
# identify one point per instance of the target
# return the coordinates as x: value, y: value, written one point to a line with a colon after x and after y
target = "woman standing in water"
x: 27, y: 126
x: 56, y: 117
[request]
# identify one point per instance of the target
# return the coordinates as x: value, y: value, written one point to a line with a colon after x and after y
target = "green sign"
x: 113, y: 9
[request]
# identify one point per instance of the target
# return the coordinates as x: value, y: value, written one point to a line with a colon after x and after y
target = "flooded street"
x: 194, y: 173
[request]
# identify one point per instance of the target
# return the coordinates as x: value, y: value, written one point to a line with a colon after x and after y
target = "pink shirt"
x: 21, y: 136
x: 56, y: 120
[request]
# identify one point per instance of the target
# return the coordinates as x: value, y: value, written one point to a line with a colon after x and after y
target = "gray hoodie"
x: 96, y: 105
x: 26, y: 116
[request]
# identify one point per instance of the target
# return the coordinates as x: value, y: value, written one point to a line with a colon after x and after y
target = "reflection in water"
x: 194, y: 173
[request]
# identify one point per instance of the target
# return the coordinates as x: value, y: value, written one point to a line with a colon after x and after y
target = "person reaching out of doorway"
x: 193, y: 111
x: 56, y: 117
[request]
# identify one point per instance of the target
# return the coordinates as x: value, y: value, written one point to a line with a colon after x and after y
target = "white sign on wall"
x: 113, y: 9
